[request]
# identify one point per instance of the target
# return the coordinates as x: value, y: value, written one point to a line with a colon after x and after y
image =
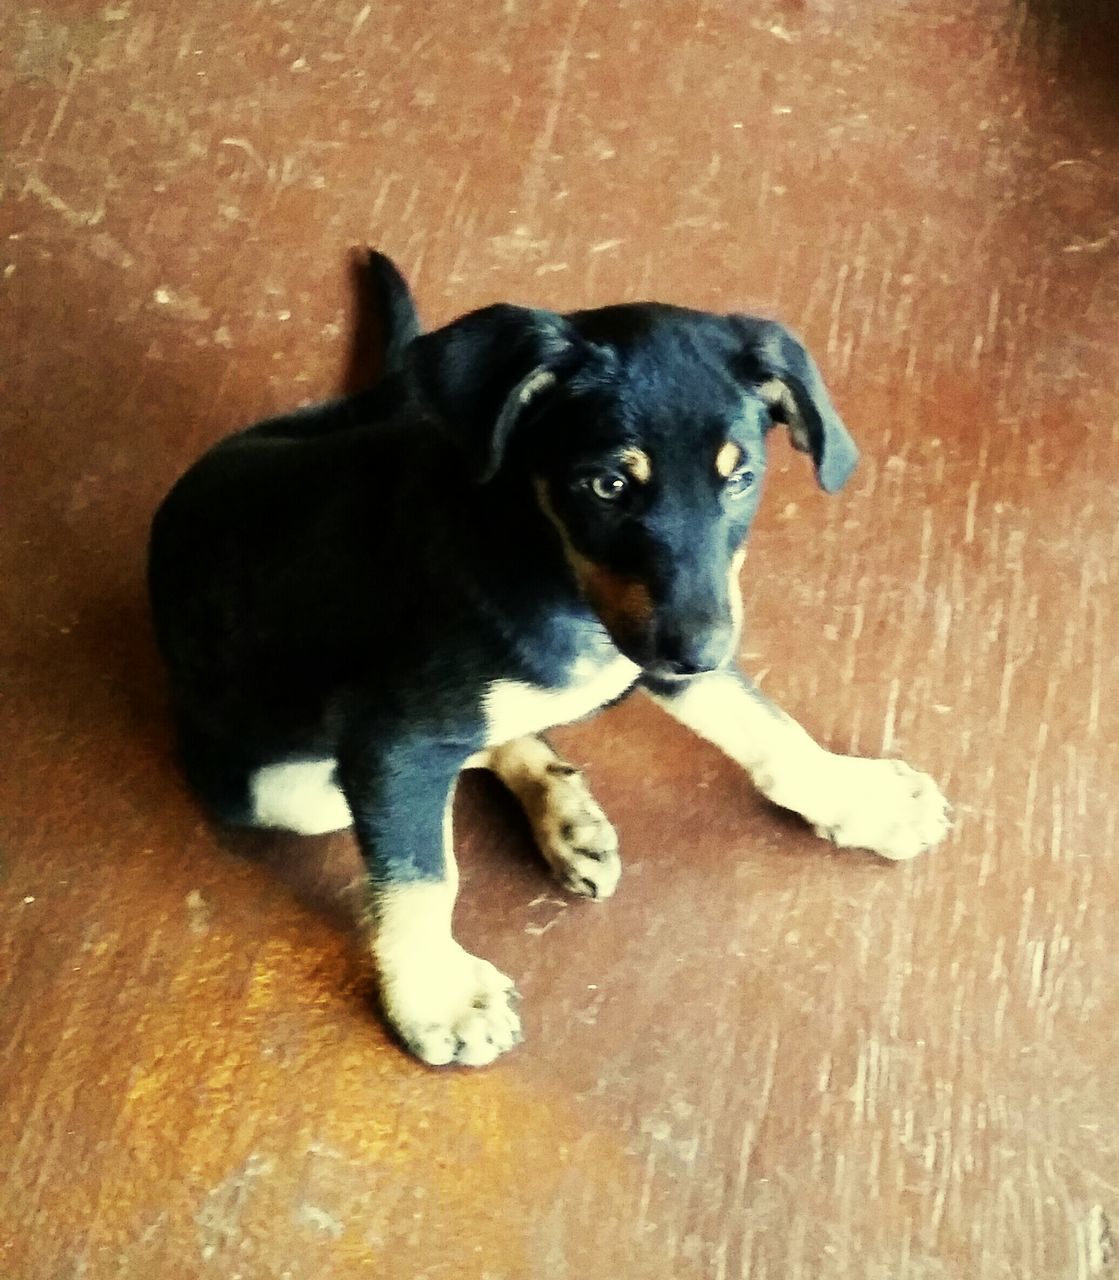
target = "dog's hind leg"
x: 301, y: 796
x: 571, y: 830
x: 217, y: 770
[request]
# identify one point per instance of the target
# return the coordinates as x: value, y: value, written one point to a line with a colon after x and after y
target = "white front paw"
x: 881, y: 805
x: 450, y: 1007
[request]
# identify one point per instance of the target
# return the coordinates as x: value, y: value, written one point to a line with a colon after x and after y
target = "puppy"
x: 528, y: 517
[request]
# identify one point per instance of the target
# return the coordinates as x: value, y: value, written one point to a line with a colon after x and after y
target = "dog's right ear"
x: 781, y: 371
x: 480, y: 375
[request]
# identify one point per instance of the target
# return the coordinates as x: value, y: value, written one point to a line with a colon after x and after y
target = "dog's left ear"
x: 776, y: 365
x: 480, y: 375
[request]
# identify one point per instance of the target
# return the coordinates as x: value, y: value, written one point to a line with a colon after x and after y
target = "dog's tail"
x: 400, y: 321
x: 385, y: 321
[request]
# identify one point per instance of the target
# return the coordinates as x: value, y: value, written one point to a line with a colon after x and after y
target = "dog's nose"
x: 674, y: 667
x: 692, y: 651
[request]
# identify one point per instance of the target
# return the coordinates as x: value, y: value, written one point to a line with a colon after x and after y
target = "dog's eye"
x: 609, y: 486
x: 740, y: 482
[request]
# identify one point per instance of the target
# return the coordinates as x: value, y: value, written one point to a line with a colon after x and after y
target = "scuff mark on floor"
x: 198, y: 912
x: 1095, y: 1245
x: 311, y: 1215
x: 220, y: 1214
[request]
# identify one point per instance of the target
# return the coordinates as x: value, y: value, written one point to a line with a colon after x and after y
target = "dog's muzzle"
x: 682, y: 652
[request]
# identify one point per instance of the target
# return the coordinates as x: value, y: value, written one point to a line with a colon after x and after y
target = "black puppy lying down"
x: 530, y: 516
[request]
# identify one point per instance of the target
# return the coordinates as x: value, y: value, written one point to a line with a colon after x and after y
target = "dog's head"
x: 641, y: 430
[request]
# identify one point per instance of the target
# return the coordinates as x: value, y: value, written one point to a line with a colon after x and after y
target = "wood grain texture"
x: 761, y: 1060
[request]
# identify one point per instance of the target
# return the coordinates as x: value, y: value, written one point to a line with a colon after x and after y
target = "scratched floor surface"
x: 762, y: 1060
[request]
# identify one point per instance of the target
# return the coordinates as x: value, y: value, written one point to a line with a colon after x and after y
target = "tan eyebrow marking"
x: 728, y: 457
x: 638, y: 463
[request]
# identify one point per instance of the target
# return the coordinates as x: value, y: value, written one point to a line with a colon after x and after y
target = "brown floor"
x: 762, y: 1059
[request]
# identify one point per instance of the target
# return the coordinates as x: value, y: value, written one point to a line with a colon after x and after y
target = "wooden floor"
x: 763, y: 1059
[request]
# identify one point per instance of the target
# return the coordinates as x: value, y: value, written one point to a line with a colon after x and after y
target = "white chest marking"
x: 514, y: 710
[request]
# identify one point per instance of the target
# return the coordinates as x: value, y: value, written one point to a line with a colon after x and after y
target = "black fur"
x: 400, y: 322
x: 348, y: 581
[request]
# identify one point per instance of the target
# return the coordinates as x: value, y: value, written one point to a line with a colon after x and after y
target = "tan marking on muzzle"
x: 623, y: 605
x: 638, y: 464
x: 728, y: 457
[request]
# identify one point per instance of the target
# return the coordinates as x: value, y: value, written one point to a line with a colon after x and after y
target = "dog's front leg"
x: 572, y: 832
x: 881, y: 805
x: 446, y: 1004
